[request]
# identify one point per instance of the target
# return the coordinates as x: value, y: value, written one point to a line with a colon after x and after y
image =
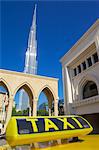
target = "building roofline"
x: 83, y: 37
x: 27, y: 75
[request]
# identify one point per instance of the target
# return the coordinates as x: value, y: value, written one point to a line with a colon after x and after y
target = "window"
x: 90, y: 89
x: 79, y: 69
x: 84, y: 65
x: 75, y: 72
x: 95, y: 57
x: 89, y: 62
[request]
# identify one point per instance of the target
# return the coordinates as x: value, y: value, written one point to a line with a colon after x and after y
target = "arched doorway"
x: 23, y: 101
x: 45, y: 102
x: 4, y: 102
x: 90, y: 89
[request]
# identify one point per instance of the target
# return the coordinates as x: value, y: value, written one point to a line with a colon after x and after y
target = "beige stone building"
x: 80, y: 68
x: 33, y: 85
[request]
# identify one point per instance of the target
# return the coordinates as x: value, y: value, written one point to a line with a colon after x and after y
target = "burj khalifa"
x: 31, y: 53
x: 30, y: 60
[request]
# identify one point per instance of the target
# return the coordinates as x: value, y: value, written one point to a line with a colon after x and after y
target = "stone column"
x: 92, y: 60
x: 56, y: 107
x: 30, y: 111
x: 34, y: 107
x: 81, y: 67
x: 67, y: 90
x: 49, y: 111
x: 9, y: 113
x: 64, y: 89
x: 86, y: 64
x: 77, y: 70
x: 49, y: 105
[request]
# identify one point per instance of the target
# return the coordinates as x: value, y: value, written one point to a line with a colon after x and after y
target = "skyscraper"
x: 31, y: 53
x: 30, y: 60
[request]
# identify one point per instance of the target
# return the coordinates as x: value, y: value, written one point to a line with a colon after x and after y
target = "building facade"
x: 80, y: 68
x: 33, y: 85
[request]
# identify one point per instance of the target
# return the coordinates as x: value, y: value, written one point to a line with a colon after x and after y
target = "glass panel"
x: 79, y: 69
x: 95, y: 57
x: 84, y: 65
x: 89, y: 62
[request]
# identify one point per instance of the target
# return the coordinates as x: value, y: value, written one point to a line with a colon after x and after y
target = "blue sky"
x: 59, y: 25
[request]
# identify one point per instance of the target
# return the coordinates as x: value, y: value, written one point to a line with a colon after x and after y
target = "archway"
x: 80, y: 86
x: 23, y: 101
x: 46, y: 102
x: 4, y: 101
x: 90, y: 89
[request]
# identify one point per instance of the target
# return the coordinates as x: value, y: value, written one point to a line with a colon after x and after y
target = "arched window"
x: 23, y: 104
x: 90, y: 89
x: 3, y: 88
x: 45, y: 102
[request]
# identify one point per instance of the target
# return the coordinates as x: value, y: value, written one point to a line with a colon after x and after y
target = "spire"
x: 34, y: 18
x: 31, y: 53
x: 32, y: 34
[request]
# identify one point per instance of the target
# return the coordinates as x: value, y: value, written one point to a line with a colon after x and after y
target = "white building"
x: 80, y: 68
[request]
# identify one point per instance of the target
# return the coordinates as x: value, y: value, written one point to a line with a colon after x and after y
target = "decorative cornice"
x: 86, y: 34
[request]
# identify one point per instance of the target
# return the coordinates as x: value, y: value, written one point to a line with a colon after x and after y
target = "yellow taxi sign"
x: 38, y: 129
